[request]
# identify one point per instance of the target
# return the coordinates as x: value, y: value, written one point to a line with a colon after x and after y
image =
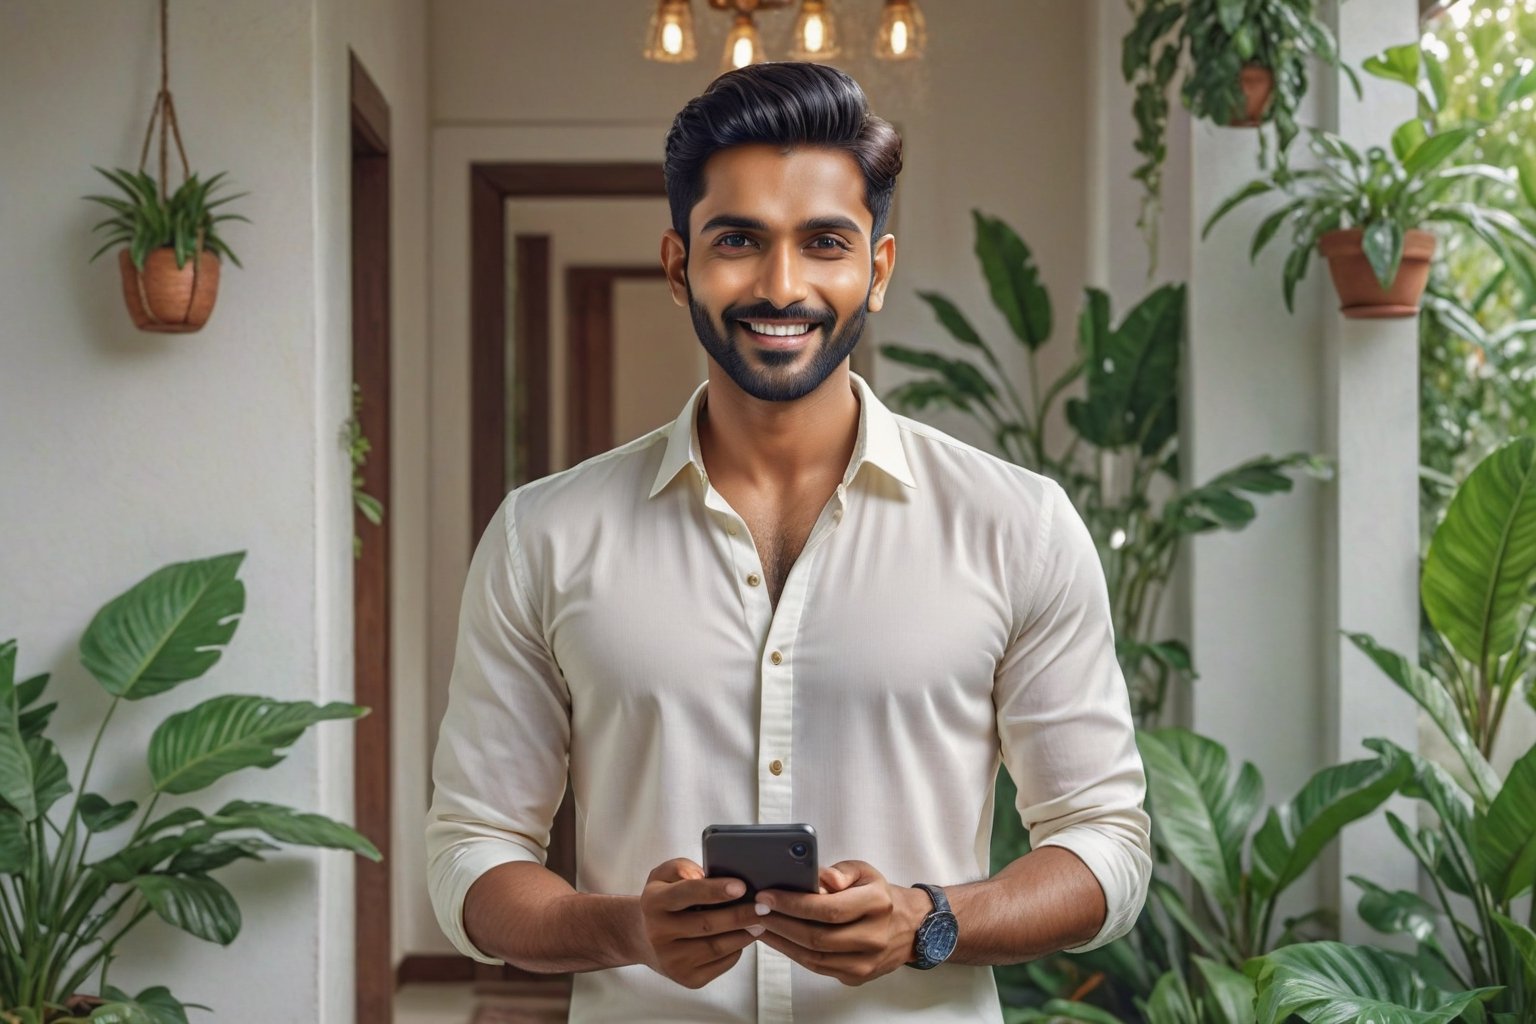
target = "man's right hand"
x: 693, y: 947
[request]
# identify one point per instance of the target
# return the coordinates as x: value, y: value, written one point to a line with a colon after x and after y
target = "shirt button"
x: 837, y: 513
x: 753, y: 579
x: 776, y: 766
x: 777, y: 659
x: 731, y: 529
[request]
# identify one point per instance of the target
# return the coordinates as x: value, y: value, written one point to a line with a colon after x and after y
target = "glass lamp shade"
x: 815, y: 36
x: 670, y: 38
x: 903, y: 34
x: 743, y: 45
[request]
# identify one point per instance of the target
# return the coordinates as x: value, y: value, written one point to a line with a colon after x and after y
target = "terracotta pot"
x: 1258, y: 84
x: 1361, y: 295
x: 166, y: 298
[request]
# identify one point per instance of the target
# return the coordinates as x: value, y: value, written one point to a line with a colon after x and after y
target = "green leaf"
x: 1131, y: 372
x: 1202, y: 814
x: 1523, y: 940
x: 1433, y: 697
x: 1433, y: 151
x: 1506, y: 835
x: 1231, y: 993
x: 155, y: 1005
x: 1242, y: 195
x: 1218, y: 502
x: 1396, y: 912
x: 1014, y: 280
x: 207, y: 857
x: 1055, y: 1010
x: 1167, y: 897
x: 166, y: 629
x: 197, y: 747
x: 1294, y: 834
x: 1482, y: 559
x: 193, y: 903
x: 953, y: 320
x: 29, y: 691
x: 1516, y: 88
x: 1383, y: 244
x: 1333, y: 983
x: 1526, y: 169
x: 1169, y: 1002
x: 959, y: 374
x: 101, y: 816
x: 1408, y: 137
x: 15, y: 842
x: 289, y: 826
x: 1396, y: 64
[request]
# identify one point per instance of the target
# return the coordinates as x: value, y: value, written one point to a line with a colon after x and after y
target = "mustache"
x: 768, y: 311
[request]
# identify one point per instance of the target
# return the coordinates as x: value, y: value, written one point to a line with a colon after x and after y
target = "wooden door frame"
x: 589, y: 355
x: 491, y: 185
x: 373, y: 975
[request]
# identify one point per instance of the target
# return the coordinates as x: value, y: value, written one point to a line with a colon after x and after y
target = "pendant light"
x: 743, y: 45
x: 903, y: 34
x: 815, y: 36
x: 670, y: 39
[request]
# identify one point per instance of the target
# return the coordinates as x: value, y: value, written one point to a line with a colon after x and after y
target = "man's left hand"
x: 859, y: 929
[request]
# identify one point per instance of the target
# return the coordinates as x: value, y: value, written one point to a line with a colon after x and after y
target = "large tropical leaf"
x: 1219, y: 503
x: 156, y: 1005
x: 18, y: 785
x: 166, y: 629
x: 1397, y: 912
x: 195, y: 748
x: 1334, y: 983
x: 1231, y: 993
x: 1202, y: 813
x: 15, y: 842
x: 289, y: 826
x: 1056, y: 1010
x: 1477, y: 575
x: 1169, y: 1002
x: 193, y: 903
x: 100, y: 815
x: 1506, y: 835
x: 1014, y: 280
x: 1523, y: 941
x: 1431, y: 695
x: 1294, y: 834
x: 1131, y: 371
x: 49, y: 772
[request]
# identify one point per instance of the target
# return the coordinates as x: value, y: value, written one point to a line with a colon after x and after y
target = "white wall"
x: 125, y: 451
x: 993, y: 119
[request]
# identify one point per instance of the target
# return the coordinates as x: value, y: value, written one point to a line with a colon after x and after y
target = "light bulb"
x: 815, y: 35
x: 670, y: 39
x: 743, y: 45
x: 903, y: 33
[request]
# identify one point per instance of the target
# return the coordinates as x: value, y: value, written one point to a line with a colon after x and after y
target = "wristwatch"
x: 937, y: 935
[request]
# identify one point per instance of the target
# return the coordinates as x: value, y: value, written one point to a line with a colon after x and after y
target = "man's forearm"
x: 531, y: 917
x: 1044, y: 902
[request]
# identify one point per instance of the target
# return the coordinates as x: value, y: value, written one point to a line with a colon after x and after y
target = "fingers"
x: 848, y: 968
x: 700, y: 924
x: 680, y: 888
x: 833, y: 908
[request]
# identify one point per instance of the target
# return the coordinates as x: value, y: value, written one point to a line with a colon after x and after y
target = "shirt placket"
x: 774, y: 632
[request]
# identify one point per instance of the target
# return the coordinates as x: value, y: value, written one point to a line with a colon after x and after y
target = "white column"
x: 1371, y: 380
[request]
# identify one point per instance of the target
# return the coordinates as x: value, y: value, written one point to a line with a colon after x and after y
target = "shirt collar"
x: 879, y: 441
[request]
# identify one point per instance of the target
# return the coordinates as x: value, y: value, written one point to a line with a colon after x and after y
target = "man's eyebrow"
x: 735, y: 220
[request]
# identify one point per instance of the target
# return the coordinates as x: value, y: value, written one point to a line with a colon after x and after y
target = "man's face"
x: 780, y: 270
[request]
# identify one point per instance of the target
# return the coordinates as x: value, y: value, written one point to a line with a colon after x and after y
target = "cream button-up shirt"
x: 948, y: 610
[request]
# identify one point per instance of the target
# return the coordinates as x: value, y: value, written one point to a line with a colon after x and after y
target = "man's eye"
x: 837, y: 243
x: 734, y: 240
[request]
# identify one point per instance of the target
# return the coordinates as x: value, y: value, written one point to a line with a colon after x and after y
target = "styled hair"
x: 781, y: 103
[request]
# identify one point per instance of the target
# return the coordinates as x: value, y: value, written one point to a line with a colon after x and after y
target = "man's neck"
x: 778, y: 446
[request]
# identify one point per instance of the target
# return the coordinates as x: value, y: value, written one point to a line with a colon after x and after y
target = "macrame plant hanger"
x: 164, y: 111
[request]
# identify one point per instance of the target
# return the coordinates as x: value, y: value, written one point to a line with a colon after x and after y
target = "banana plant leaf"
x: 1334, y: 983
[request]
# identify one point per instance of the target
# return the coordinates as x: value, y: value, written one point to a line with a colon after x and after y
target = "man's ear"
x: 674, y: 260
x: 885, y: 265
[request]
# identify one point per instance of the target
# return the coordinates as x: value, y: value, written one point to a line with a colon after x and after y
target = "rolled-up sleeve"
x: 1064, y: 720
x: 502, y: 752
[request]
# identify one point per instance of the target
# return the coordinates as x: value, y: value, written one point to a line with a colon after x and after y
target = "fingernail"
x: 756, y: 929
x: 761, y: 908
x: 735, y: 888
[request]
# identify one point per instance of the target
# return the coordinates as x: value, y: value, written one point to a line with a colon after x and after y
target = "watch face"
x: 940, y: 934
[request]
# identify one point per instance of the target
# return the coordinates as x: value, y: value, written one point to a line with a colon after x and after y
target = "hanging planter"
x: 1361, y: 294
x: 171, y: 251
x: 1257, y: 83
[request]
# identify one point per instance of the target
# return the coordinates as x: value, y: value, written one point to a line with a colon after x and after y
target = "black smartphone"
x: 763, y: 856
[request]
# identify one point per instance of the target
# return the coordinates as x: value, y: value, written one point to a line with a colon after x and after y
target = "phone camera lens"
x: 798, y: 850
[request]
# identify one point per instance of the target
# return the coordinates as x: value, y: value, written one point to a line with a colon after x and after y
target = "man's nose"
x: 781, y: 281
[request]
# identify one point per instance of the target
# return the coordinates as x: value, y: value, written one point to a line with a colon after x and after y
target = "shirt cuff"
x: 1123, y: 872
x: 462, y: 865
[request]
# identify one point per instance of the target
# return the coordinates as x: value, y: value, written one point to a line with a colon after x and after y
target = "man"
x: 789, y: 605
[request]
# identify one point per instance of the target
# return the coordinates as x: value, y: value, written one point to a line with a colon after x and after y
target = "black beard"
x: 769, y: 386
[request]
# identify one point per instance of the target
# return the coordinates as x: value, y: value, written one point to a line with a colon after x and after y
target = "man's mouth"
x: 781, y: 333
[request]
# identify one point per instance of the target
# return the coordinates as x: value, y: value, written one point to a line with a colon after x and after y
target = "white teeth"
x: 780, y: 330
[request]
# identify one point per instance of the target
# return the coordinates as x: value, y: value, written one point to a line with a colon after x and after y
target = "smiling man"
x: 789, y: 605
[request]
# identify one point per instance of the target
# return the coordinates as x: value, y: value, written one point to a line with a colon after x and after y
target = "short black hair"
x: 780, y: 103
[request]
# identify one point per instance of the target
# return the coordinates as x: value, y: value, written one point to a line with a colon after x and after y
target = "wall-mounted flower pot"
x: 1258, y: 85
x: 1361, y: 296
x: 166, y: 298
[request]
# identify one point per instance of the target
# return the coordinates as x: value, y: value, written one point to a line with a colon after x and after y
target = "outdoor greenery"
x: 1120, y: 465
x: 63, y: 912
x: 1211, y: 41
x: 145, y: 220
x: 358, y: 447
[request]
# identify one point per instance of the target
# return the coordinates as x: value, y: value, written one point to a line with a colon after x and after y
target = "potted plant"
x: 1368, y: 213
x: 170, y: 248
x: 65, y: 908
x: 1245, y: 65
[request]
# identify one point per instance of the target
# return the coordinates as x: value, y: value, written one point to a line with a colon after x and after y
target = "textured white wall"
x: 124, y: 451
